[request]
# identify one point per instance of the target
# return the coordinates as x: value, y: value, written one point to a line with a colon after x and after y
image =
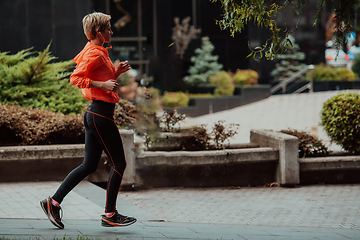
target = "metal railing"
x: 282, y: 85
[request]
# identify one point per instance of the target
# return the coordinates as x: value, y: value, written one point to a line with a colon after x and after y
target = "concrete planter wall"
x: 54, y: 162
x: 270, y: 157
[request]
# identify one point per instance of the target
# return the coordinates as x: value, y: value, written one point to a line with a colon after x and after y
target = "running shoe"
x: 52, y: 212
x: 117, y: 220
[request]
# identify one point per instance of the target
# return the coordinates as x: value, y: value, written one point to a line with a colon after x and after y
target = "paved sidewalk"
x: 277, y: 112
x: 308, y: 212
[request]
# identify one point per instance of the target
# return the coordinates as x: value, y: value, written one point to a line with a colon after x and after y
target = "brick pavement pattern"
x: 309, y: 212
x: 329, y: 206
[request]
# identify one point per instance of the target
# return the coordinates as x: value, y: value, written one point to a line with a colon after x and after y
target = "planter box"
x: 330, y: 170
x: 201, y: 106
x: 321, y: 86
x: 54, y: 162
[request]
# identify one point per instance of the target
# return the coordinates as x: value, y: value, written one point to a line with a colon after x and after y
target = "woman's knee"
x: 88, y: 169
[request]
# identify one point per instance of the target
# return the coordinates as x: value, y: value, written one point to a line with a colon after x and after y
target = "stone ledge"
x: 330, y: 163
x: 41, y: 152
x: 288, y: 147
x: 207, y: 157
x: 54, y: 162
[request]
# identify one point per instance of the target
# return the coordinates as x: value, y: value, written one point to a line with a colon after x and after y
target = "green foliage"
x: 323, y: 72
x: 356, y: 66
x: 223, y: 83
x: 289, y: 62
x: 237, y: 14
x: 308, y: 145
x: 205, y: 64
x: 175, y: 99
x: 340, y: 117
x: 246, y: 77
x: 32, y: 79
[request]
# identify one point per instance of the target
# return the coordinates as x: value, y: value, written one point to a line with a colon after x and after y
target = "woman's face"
x: 107, y: 33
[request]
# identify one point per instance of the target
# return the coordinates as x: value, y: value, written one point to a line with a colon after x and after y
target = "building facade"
x: 142, y: 34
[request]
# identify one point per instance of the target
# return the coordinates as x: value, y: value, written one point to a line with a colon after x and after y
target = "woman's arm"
x: 110, y: 85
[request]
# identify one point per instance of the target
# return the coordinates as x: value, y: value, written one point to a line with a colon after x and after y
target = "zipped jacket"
x: 93, y: 64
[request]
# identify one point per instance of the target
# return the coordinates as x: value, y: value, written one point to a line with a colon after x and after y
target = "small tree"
x: 289, y: 62
x: 205, y: 64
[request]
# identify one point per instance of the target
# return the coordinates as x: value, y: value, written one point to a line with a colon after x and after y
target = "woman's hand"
x: 110, y: 85
x: 123, y: 67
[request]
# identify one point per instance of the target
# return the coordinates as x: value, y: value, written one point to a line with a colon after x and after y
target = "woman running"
x: 95, y: 74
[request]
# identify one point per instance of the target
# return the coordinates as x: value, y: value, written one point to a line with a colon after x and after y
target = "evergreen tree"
x: 30, y: 79
x: 205, y: 64
x: 289, y: 62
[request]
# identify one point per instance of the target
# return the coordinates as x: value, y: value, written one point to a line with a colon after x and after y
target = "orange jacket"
x: 93, y: 63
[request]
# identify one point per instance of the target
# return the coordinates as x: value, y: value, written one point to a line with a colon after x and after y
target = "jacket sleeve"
x: 90, y: 62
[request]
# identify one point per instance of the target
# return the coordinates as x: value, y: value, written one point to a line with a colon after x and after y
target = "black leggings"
x: 101, y: 134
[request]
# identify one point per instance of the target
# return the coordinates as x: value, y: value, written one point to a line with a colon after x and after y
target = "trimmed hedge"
x: 340, y: 117
x: 31, y: 126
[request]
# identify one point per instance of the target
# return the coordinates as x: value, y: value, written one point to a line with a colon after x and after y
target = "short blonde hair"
x: 94, y: 22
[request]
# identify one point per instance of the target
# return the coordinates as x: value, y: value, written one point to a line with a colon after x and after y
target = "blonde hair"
x: 94, y: 22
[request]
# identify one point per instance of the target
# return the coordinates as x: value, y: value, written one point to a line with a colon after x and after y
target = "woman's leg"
x: 109, y: 137
x: 93, y: 151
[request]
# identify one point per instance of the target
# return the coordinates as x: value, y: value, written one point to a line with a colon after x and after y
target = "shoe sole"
x: 105, y: 223
x: 50, y: 217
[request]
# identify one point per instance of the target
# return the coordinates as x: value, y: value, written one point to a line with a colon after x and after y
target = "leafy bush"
x: 175, y: 99
x: 356, y: 66
x: 308, y: 145
x: 246, y: 77
x: 223, y: 83
x: 124, y: 113
x: 324, y: 72
x: 27, y: 126
x: 29, y: 79
x: 340, y: 117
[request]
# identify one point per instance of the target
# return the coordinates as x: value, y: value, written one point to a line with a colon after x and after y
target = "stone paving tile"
x: 22, y: 200
x: 201, y: 205
x: 327, y: 206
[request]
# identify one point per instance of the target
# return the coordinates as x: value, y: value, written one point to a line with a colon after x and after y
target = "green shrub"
x: 356, y: 66
x: 31, y: 79
x: 324, y: 72
x: 246, y: 77
x: 223, y: 83
x: 340, y: 117
x: 308, y: 145
x: 175, y: 99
